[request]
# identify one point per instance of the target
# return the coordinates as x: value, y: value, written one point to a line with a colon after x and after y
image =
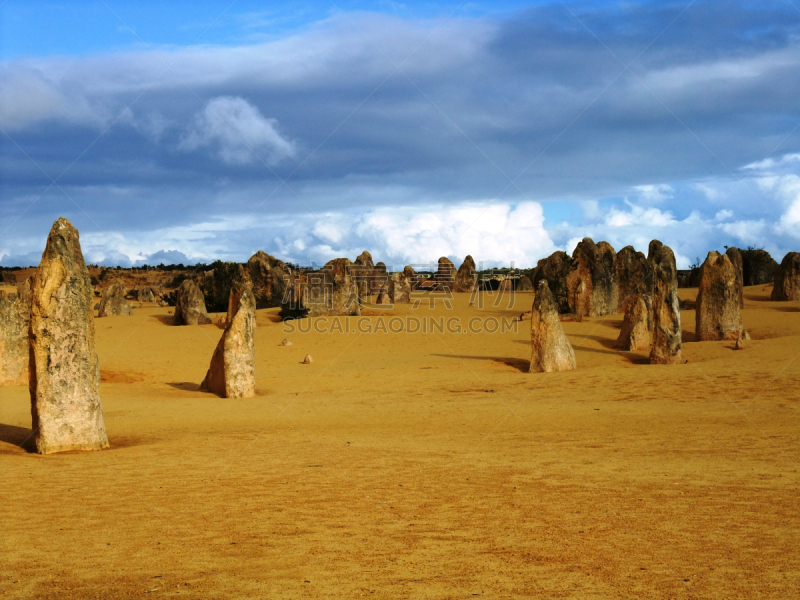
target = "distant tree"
x: 217, y: 287
x: 178, y: 279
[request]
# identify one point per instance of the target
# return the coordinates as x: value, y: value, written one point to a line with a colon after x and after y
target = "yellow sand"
x: 418, y: 466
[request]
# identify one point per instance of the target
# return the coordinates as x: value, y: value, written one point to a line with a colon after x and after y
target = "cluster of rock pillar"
x: 47, y: 339
x: 597, y: 281
x: 47, y: 328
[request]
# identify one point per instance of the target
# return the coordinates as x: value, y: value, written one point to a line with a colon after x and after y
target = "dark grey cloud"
x: 542, y: 99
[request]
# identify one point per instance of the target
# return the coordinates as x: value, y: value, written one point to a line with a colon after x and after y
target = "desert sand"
x: 418, y: 465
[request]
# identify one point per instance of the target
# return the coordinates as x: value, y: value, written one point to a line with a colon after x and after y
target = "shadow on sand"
x: 186, y: 386
x: 517, y: 363
x: 786, y: 308
x: 603, y: 341
x: 22, y: 437
x: 165, y: 319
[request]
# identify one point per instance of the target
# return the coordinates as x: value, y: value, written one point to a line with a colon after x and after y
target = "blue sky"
x: 33, y: 28
x: 314, y: 130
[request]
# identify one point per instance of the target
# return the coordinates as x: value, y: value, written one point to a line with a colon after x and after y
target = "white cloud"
x: 769, y: 164
x: 238, y: 132
x: 654, y: 193
x: 493, y: 233
x: 709, y: 191
x: 786, y: 190
x: 738, y: 70
x: 638, y: 215
x: 723, y: 215
x: 496, y: 234
x: 747, y: 232
x: 28, y: 97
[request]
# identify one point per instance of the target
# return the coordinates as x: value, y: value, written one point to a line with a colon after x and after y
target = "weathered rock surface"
x: 362, y: 273
x: 554, y: 270
x: 635, y: 333
x: 232, y: 371
x: 666, y: 348
x: 717, y: 306
x: 446, y: 274
x: 401, y: 285
x: 592, y: 288
x: 563, y: 317
x: 190, y: 305
x: 653, y: 250
x: 787, y: 278
x: 145, y: 294
x: 383, y: 296
x: 113, y: 302
x: 308, y: 360
x: 15, y: 318
x: 735, y: 256
x: 550, y: 348
x: 524, y: 284
x: 330, y: 291
x: 740, y: 344
x: 64, y: 371
x: 467, y: 276
x: 634, y: 273
x: 379, y: 284
x: 758, y: 267
x: 570, y: 318
x: 237, y: 289
x: 268, y: 277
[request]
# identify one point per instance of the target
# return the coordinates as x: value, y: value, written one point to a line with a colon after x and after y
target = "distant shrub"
x: 217, y: 286
x: 177, y: 280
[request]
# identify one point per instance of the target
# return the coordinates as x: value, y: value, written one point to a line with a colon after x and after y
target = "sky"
x: 209, y: 130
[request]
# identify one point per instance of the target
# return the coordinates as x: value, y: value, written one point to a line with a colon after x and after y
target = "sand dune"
x: 418, y: 465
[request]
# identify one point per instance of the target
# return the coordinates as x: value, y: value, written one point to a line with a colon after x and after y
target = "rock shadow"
x: 632, y: 357
x: 22, y: 437
x: 120, y: 442
x: 603, y: 341
x: 165, y: 319
x: 187, y: 386
x: 520, y: 364
x: 271, y: 318
x: 789, y: 309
